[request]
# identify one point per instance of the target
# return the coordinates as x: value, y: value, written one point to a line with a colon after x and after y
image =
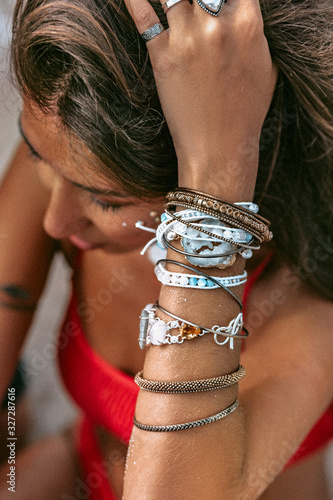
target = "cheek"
x: 120, y: 229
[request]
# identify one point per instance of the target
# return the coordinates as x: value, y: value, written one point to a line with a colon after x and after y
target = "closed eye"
x: 33, y: 153
x: 107, y: 205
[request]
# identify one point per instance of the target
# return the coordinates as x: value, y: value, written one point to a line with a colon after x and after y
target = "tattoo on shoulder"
x: 15, y: 291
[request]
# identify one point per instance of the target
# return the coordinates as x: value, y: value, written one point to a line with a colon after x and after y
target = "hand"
x: 215, y: 80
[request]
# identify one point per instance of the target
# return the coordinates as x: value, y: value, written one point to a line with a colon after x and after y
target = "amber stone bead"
x: 189, y: 332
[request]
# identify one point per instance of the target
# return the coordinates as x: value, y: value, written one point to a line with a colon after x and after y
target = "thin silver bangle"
x: 214, y: 332
x: 187, y: 425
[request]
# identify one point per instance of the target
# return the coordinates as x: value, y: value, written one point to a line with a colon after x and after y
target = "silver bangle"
x: 233, y: 335
x: 189, y: 386
x: 154, y: 330
x: 187, y: 425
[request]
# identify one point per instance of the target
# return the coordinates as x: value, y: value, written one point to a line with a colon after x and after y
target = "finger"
x: 143, y: 14
x: 177, y: 11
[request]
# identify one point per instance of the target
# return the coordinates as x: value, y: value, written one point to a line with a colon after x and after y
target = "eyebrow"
x: 92, y: 190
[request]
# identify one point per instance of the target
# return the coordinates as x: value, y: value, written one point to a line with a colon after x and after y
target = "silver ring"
x: 169, y: 3
x: 212, y: 7
x: 152, y: 32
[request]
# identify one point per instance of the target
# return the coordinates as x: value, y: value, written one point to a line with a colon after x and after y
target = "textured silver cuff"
x: 188, y: 386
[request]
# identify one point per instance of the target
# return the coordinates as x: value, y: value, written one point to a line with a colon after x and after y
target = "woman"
x: 94, y: 126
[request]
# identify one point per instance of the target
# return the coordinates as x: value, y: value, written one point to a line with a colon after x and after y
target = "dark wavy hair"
x: 85, y: 59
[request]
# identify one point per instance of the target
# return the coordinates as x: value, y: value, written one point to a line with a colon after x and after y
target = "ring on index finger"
x: 151, y: 32
x: 169, y: 3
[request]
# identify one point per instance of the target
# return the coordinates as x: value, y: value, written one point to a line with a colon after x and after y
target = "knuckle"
x: 184, y: 49
x: 144, y: 19
x: 215, y: 33
x: 250, y: 23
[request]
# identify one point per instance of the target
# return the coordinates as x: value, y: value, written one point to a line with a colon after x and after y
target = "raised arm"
x: 215, y: 80
x: 25, y: 256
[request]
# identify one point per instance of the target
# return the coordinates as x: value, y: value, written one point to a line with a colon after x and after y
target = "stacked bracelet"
x: 189, y: 386
x: 155, y: 331
x: 195, y: 281
x: 188, y: 425
x: 206, y: 241
x: 236, y: 215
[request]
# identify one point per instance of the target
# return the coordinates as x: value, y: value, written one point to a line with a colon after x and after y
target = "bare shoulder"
x: 291, y: 331
x: 288, y: 360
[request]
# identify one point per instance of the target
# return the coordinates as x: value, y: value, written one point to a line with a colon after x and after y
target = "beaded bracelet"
x: 194, y: 281
x: 188, y: 425
x: 177, y: 225
x: 236, y: 215
x: 239, y: 221
x: 220, y: 255
x: 203, y: 201
x: 217, y: 232
x: 189, y: 386
x: 213, y: 250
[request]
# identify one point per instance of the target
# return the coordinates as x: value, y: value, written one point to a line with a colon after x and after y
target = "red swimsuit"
x: 107, y: 398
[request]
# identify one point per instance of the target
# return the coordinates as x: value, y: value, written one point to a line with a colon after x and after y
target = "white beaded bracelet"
x: 195, y: 281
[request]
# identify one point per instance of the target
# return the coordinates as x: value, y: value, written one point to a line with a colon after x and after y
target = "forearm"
x: 195, y: 463
x: 25, y: 256
x: 215, y: 82
x: 13, y: 330
x: 205, y: 462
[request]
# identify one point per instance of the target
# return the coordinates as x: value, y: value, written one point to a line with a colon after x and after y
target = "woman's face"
x: 85, y: 208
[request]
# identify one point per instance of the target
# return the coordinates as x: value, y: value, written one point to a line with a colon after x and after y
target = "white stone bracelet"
x: 155, y: 331
x: 195, y: 281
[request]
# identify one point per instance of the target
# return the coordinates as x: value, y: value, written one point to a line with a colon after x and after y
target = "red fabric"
x: 107, y: 396
x: 104, y: 393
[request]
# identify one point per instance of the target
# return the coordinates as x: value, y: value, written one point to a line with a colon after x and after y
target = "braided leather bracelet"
x: 188, y: 386
x: 188, y: 425
x: 239, y: 217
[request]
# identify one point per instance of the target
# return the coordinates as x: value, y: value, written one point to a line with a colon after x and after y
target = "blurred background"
x: 50, y: 408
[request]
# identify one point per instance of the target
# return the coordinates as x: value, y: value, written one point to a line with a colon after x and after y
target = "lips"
x: 82, y: 244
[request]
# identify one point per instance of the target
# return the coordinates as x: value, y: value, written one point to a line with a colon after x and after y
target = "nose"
x: 65, y: 212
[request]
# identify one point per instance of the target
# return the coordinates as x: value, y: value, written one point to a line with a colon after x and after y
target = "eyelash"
x: 101, y: 204
x: 33, y: 154
x: 105, y: 206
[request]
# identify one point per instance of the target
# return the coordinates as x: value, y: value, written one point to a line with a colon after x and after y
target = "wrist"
x: 231, y: 177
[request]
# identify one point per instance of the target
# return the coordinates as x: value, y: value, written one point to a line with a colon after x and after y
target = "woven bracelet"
x: 240, y: 217
x: 188, y: 386
x: 188, y: 425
